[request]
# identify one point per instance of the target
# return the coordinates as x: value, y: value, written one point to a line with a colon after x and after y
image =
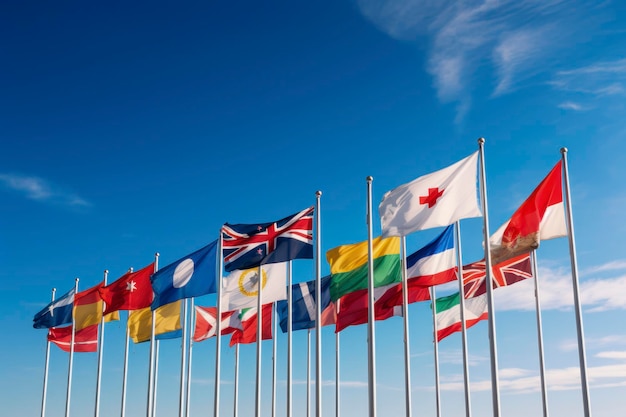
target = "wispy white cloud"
x: 612, y: 355
x: 38, y: 189
x: 595, y: 343
x: 570, y: 105
x: 455, y: 356
x: 609, y: 266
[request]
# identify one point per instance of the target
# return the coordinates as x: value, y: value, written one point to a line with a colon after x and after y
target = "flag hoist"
x: 45, y: 369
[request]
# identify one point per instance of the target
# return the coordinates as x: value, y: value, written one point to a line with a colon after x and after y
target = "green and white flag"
x: 448, y: 315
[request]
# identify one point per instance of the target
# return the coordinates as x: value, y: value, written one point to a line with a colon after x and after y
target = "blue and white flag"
x: 435, y: 263
x: 191, y: 276
x: 304, y: 305
x: 56, y: 313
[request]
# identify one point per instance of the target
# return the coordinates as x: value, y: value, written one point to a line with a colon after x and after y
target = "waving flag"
x: 448, y: 313
x: 167, y: 323
x: 437, y: 199
x: 435, y: 263
x: 249, y: 321
x: 505, y: 273
x: 249, y: 245
x: 540, y: 217
x: 191, y: 276
x: 132, y: 291
x: 56, y: 313
x: 304, y: 306
x: 85, y: 340
x: 88, y: 308
x: 206, y: 321
x: 241, y: 288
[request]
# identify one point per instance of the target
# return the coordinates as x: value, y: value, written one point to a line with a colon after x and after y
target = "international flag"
x: 540, y: 217
x: 448, y: 313
x: 437, y: 199
x: 132, y: 291
x: 191, y: 276
x: 85, y: 340
x: 206, y: 323
x: 435, y: 263
x: 88, y: 308
x: 304, y: 306
x: 249, y: 245
x: 56, y: 313
x: 505, y: 273
x: 249, y: 321
x: 167, y: 322
x: 349, y: 265
x: 241, y: 287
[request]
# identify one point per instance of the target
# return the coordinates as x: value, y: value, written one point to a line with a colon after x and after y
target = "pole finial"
x: 481, y: 140
x: 157, y: 254
x: 369, y: 178
x: 130, y: 269
x: 77, y: 279
x: 563, y: 150
x: 318, y: 193
x: 54, y: 289
x: 106, y: 271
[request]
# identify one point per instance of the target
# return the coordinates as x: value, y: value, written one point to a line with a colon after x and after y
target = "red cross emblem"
x: 431, y: 198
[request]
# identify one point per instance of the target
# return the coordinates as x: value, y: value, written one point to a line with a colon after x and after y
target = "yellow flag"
x: 89, y: 314
x: 140, y: 321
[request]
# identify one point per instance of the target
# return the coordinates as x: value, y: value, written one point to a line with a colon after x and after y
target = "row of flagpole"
x: 185, y: 382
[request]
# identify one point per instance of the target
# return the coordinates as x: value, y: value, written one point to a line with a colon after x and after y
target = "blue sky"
x: 129, y: 129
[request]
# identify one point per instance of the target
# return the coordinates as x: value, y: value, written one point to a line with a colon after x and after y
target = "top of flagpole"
x: 369, y: 178
x: 481, y: 141
x: 563, y: 150
x: 318, y: 193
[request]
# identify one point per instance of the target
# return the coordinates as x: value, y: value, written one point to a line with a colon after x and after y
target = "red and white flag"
x: 437, y: 199
x: 206, y: 322
x: 249, y: 320
x: 540, y: 217
x: 85, y: 340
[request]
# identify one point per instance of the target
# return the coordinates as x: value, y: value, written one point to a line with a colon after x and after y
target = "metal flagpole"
x: 45, y: 369
x: 69, y: 372
x: 192, y: 321
x: 289, y: 340
x: 405, y: 314
x: 236, y: 396
x: 156, y: 376
x: 493, y: 351
x: 274, y: 364
x: 100, y: 346
x: 436, y: 345
x: 459, y: 263
x: 152, y: 343
x: 183, y: 362
x: 318, y: 308
x: 308, y: 372
x: 218, y: 331
x: 125, y: 373
x: 579, y: 318
x: 337, y: 390
x: 542, y: 368
x: 371, y: 316
x: 259, y: 337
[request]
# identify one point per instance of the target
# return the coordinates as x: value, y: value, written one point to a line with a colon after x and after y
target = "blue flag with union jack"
x: 250, y: 245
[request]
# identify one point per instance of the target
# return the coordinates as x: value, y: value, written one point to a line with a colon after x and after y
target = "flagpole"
x: 308, y: 372
x: 236, y: 396
x: 274, y: 364
x: 192, y: 321
x: 100, y: 346
x: 579, y: 318
x: 45, y: 369
x: 259, y: 337
x: 542, y: 368
x: 69, y: 372
x: 436, y: 345
x: 218, y: 331
x: 371, y: 316
x: 459, y: 263
x: 183, y: 362
x: 156, y: 376
x: 289, y: 341
x: 407, y: 349
x: 125, y: 373
x: 337, y: 391
x: 150, y: 368
x: 318, y: 307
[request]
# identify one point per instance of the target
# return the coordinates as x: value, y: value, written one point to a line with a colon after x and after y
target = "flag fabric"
x: 56, y: 313
x: 304, y: 306
x: 85, y: 340
x: 437, y: 199
x: 191, y: 276
x: 249, y: 245
x: 88, y: 308
x: 132, y: 291
x: 241, y: 287
x: 505, y: 273
x: 249, y: 320
x: 448, y: 313
x: 540, y: 217
x: 349, y: 268
x: 167, y: 320
x: 435, y: 263
x: 206, y: 321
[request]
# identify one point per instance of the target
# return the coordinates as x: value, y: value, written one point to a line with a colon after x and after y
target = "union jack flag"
x: 250, y: 245
x: 505, y: 273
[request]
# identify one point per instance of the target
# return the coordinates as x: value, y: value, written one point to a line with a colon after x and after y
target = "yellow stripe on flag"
x: 89, y: 314
x: 140, y: 321
x: 347, y: 258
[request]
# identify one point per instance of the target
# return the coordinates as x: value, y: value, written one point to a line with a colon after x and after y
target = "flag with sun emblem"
x: 241, y: 286
x: 191, y: 276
